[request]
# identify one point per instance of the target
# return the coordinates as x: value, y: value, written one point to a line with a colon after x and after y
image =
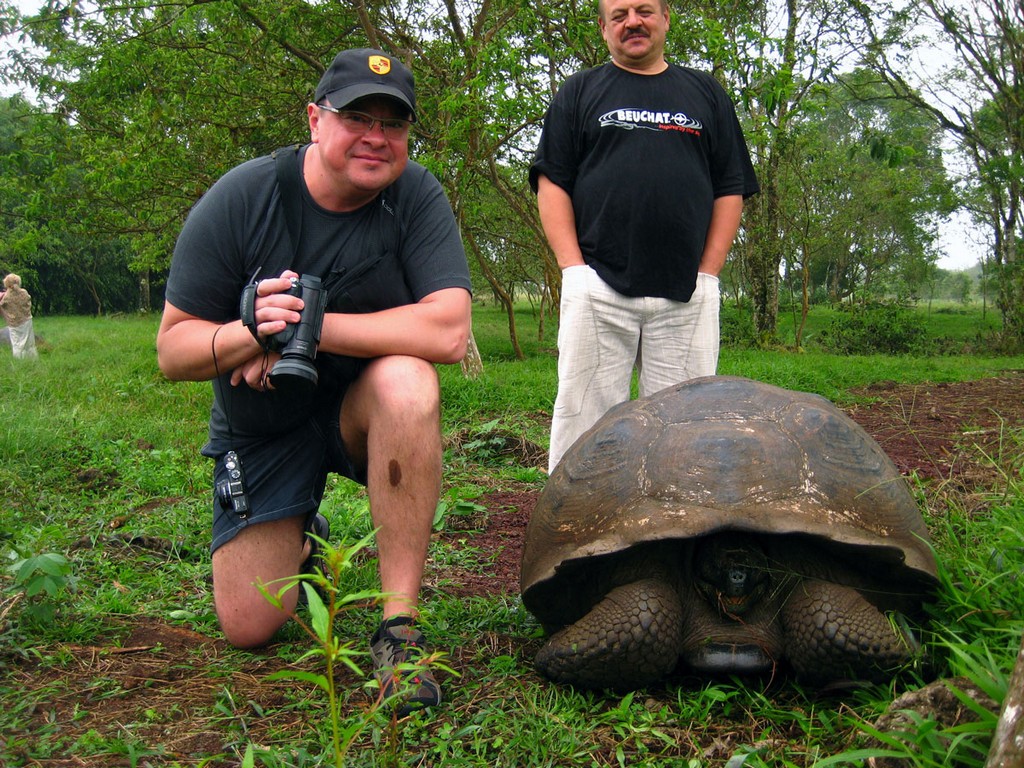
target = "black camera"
x: 296, y: 371
x: 231, y: 490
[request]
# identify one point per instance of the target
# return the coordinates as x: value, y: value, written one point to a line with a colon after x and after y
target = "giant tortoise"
x: 726, y: 526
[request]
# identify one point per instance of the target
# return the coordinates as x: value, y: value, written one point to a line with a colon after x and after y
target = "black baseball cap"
x: 366, y: 72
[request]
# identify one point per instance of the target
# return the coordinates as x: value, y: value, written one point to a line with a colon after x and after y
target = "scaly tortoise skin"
x: 726, y: 526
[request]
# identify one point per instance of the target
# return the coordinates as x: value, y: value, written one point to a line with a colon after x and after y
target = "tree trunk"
x: 145, y: 304
x: 1011, y: 303
x: 500, y: 294
x: 805, y: 297
x: 472, y: 364
x: 766, y: 257
x: 1007, y: 749
x: 762, y: 267
x: 1010, y: 271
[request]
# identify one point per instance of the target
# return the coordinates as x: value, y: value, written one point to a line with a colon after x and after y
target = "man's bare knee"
x: 400, y: 385
x: 267, y: 554
x: 251, y: 629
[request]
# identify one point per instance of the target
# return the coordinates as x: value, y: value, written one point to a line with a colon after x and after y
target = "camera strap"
x: 286, y: 161
x: 247, y: 313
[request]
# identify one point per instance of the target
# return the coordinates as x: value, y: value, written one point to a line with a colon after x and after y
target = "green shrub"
x: 738, y: 327
x: 889, y: 328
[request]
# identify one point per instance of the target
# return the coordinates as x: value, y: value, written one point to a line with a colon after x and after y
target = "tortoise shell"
x: 714, y: 454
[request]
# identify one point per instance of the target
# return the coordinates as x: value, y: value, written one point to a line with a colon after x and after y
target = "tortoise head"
x: 731, y: 573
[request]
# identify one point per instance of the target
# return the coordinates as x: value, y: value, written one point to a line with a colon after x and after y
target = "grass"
x: 99, y: 463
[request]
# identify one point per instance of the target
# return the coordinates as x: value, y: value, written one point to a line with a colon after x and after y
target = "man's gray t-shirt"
x: 391, y: 252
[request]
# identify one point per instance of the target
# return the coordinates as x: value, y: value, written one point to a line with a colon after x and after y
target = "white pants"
x: 23, y: 341
x: 603, y: 336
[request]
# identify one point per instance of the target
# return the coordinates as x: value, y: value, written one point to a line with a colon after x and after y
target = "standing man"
x: 351, y: 209
x: 640, y: 174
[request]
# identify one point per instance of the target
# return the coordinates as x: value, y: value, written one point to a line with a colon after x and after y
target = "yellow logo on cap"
x: 380, y: 64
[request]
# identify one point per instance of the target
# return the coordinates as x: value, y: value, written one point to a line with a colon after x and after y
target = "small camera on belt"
x: 231, y: 490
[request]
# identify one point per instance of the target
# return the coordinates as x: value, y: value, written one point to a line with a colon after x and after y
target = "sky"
x: 960, y: 244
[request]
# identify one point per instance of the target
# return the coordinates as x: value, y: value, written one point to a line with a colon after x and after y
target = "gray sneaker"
x: 397, y: 648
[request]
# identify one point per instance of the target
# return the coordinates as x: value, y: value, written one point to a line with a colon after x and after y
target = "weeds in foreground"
x: 320, y: 629
x: 327, y: 579
x: 43, y: 579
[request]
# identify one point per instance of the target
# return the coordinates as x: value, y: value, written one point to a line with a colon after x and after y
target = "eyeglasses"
x: 361, y: 123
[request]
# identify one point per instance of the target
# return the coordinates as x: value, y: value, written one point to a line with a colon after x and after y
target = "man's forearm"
x: 725, y: 223
x: 435, y: 329
x: 558, y: 219
x: 191, y: 349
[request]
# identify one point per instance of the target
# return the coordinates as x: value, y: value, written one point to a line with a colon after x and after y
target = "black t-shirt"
x: 643, y: 158
x: 391, y: 252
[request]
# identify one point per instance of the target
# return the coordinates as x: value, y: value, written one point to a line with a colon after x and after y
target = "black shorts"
x: 284, y: 474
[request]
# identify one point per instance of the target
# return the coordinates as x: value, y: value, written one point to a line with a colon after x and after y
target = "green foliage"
x: 47, y: 573
x: 861, y: 187
x: 486, y: 443
x: 458, y: 502
x: 138, y: 108
x: 44, y: 579
x: 737, y: 327
x: 887, y: 328
x: 320, y: 629
x: 328, y: 581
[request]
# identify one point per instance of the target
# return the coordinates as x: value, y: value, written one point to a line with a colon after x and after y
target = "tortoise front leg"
x: 630, y: 639
x: 834, y: 633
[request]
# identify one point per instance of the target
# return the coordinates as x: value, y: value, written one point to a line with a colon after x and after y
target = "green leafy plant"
x: 487, y: 442
x: 43, y: 579
x: 458, y: 502
x: 326, y: 581
x: 320, y: 628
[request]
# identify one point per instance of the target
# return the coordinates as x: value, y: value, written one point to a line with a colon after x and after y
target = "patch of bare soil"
x: 952, y: 433
x: 944, y: 434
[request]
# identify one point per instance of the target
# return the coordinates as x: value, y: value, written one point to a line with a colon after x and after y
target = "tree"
x: 71, y: 266
x: 479, y: 66
x: 772, y: 55
x: 163, y: 99
x: 151, y: 103
x: 861, y: 189
x: 978, y: 98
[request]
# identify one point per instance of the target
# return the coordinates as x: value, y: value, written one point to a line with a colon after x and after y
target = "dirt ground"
x: 940, y: 433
